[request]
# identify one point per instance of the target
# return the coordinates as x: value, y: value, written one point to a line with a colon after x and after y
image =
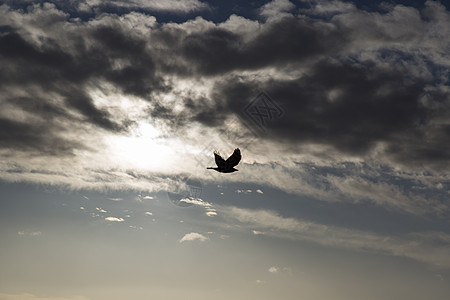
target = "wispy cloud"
x: 429, y: 247
x: 29, y: 233
x: 114, y: 219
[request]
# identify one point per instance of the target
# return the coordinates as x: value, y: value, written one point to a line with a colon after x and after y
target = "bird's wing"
x: 220, y: 162
x: 234, y: 159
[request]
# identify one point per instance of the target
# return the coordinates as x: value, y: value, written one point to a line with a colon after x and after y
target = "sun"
x: 143, y: 149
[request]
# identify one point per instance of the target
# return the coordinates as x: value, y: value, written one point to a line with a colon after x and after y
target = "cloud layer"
x: 357, y: 88
x: 429, y: 247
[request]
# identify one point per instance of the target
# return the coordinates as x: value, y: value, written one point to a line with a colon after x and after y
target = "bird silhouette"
x: 227, y: 166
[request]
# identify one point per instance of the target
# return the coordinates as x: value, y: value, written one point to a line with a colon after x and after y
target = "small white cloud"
x: 100, y: 210
x: 211, y: 213
x: 147, y: 213
x: 257, y: 281
x: 136, y: 227
x: 256, y: 232
x: 29, y: 233
x: 273, y: 270
x: 276, y: 8
x: 149, y: 198
x: 82, y: 207
x: 196, y: 201
x: 193, y: 236
x: 116, y: 199
x: 114, y: 219
x: 259, y: 191
x: 243, y: 191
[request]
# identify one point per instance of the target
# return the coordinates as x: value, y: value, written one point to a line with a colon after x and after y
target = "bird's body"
x: 227, y: 166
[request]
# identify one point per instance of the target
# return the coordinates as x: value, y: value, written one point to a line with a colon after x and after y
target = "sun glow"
x: 143, y: 149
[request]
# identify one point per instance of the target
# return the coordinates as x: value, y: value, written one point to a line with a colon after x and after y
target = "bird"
x: 227, y: 166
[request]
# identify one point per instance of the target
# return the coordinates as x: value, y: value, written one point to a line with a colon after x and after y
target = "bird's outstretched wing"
x: 234, y: 159
x: 220, y: 162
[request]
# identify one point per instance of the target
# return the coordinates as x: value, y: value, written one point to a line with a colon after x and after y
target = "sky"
x: 110, y: 112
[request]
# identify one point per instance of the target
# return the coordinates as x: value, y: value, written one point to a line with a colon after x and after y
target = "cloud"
x: 29, y: 233
x: 273, y: 270
x: 193, y: 236
x: 147, y: 213
x: 430, y: 247
x: 276, y: 8
x: 355, y: 87
x: 210, y: 210
x: 115, y: 199
x: 259, y: 191
x: 211, y: 213
x: 114, y: 219
x: 173, y: 6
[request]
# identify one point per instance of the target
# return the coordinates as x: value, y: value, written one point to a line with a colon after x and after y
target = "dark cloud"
x: 352, y: 108
x: 335, y: 86
x: 37, y: 139
x: 289, y: 40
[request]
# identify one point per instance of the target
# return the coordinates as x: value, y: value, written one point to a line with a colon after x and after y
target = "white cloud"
x: 147, y: 213
x: 115, y: 199
x: 29, y: 233
x: 256, y: 232
x: 99, y: 209
x: 178, y: 6
x: 259, y: 191
x: 273, y: 270
x: 210, y: 210
x: 211, y: 213
x: 136, y: 227
x: 114, y: 219
x: 276, y: 8
x: 193, y: 236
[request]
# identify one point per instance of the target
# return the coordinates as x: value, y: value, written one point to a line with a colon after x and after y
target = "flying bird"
x: 227, y: 166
